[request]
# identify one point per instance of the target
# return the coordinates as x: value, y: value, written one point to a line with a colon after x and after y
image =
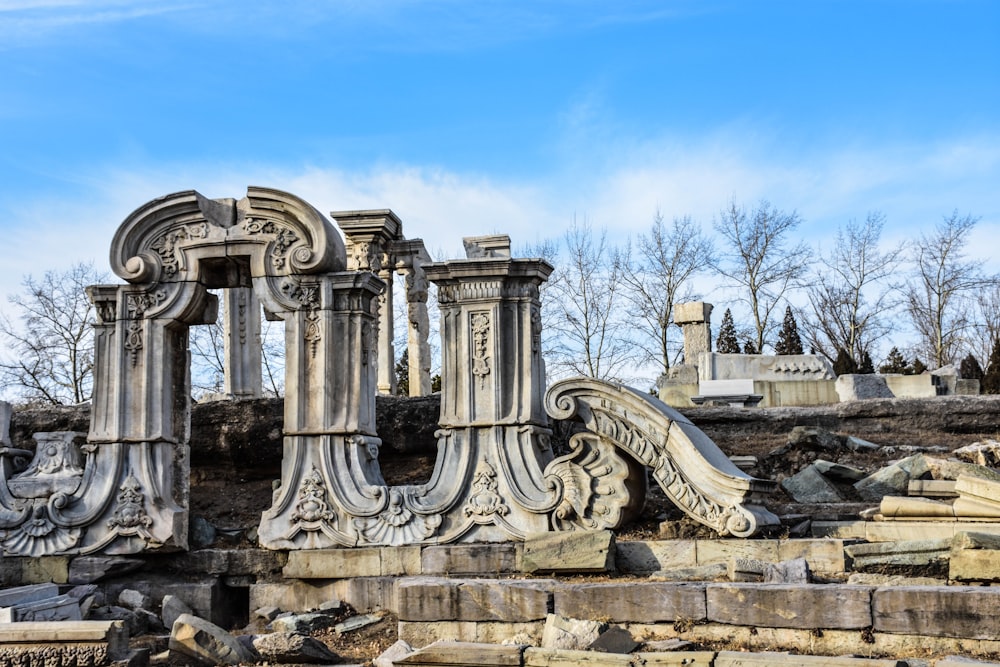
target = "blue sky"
x: 483, y: 117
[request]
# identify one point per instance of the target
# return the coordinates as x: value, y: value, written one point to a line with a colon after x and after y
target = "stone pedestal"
x: 695, y: 320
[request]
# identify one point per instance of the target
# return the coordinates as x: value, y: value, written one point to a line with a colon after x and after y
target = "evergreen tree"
x: 749, y: 347
x: 918, y: 366
x: 895, y: 363
x: 789, y: 341
x: 403, y: 374
x: 844, y: 365
x: 970, y: 368
x: 726, y: 342
x: 990, y: 384
x: 866, y: 367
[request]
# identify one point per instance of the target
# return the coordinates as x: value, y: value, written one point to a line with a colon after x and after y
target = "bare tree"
x: 757, y: 259
x: 50, y: 344
x: 939, y: 294
x: 853, y: 294
x: 580, y: 309
x: 986, y: 332
x: 656, y: 274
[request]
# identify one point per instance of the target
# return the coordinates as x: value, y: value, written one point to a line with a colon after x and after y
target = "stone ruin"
x: 123, y: 487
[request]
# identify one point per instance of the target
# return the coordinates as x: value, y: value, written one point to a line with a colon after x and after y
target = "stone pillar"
x: 411, y: 256
x: 6, y: 410
x: 241, y: 334
x: 695, y: 320
x: 369, y: 235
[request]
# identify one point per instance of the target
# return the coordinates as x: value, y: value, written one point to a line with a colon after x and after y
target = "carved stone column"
x: 241, y: 329
x: 368, y: 235
x: 411, y: 256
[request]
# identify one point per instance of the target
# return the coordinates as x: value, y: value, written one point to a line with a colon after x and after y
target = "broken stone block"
x: 952, y: 469
x: 860, y: 387
x: 133, y: 599
x: 977, y: 497
x: 583, y: 551
x: 910, y: 553
x: 57, y: 608
x: 268, y: 613
x: 838, y: 471
x: 465, y: 653
x: 810, y: 437
x: 795, y: 571
x: 614, y: 640
x: 931, y: 488
x: 746, y: 569
x: 857, y: 444
x: 974, y: 557
x: 713, y: 572
x: 23, y: 594
x: 394, y: 653
x: 357, y: 622
x: 984, y: 453
x: 894, y: 479
x: 569, y: 633
x: 171, y: 609
x: 91, y: 569
x: 207, y: 643
x: 303, y: 623
x: 290, y: 648
x: 810, y: 486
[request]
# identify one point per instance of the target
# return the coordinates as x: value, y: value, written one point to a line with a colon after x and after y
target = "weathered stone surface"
x: 614, y: 640
x: 89, y: 569
x: 133, y: 599
x: 206, y: 642
x: 720, y: 551
x: 839, y: 471
x: 742, y: 659
x: 876, y: 579
x: 293, y: 595
x: 483, y: 559
x: 810, y: 437
x: 911, y: 553
x: 959, y: 661
x: 350, y: 563
x: 366, y: 594
x: 794, y: 571
x: 55, y: 608
x: 422, y: 634
x: 984, y: 453
x: 438, y: 599
x: 894, y: 479
x: 715, y: 572
x: 643, y: 557
x: 357, y: 622
x: 746, y: 569
x: 465, y: 653
x: 574, y: 551
x: 25, y: 594
x: 823, y: 556
x: 622, y: 602
x: 397, y: 651
x: 860, y: 387
x: 289, y: 648
x: 931, y: 488
x: 304, y: 623
x: 977, y: 497
x: 566, y: 633
x: 974, y: 565
x: 545, y: 657
x: 952, y: 469
x: 809, y: 485
x: 208, y: 598
x: 938, y: 611
x: 790, y: 605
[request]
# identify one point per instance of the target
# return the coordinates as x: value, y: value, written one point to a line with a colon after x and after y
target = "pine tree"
x: 726, y: 342
x: 918, y: 366
x: 970, y: 368
x: 895, y: 363
x: 990, y: 383
x: 789, y: 341
x: 866, y: 367
x: 844, y: 365
x: 403, y: 374
x: 749, y: 347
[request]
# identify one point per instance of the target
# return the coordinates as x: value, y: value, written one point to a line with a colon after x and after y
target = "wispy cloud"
x: 27, y: 23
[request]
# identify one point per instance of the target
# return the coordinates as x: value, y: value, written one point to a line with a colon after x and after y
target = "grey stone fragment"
x: 614, y: 640
x: 810, y: 437
x: 570, y: 551
x: 90, y: 569
x: 172, y: 608
x: 859, y: 387
x: 892, y: 480
x: 207, y: 643
x: 201, y: 533
x: 268, y: 613
x: 357, y: 622
x: 711, y: 572
x: 395, y: 652
x: 838, y: 471
x: 952, y: 469
x: 303, y: 623
x: 289, y: 648
x: 854, y: 444
x: 133, y: 599
x: 909, y: 553
x: 666, y: 645
x: 810, y: 486
x: 136, y: 624
x: 570, y: 633
x: 795, y: 571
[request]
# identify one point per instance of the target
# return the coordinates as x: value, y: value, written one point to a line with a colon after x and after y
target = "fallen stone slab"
x: 977, y: 497
x: 207, y: 643
x: 31, y: 593
x: 171, y: 609
x: 741, y: 659
x: 304, y: 623
x: 839, y: 471
x: 904, y: 554
x: 393, y: 654
x: 861, y: 387
x: 68, y: 644
x: 809, y: 485
x: 614, y: 640
x: 584, y: 551
x: 57, y: 608
x: 746, y: 569
x: 465, y: 653
x: 894, y: 479
x: 290, y: 648
x: 357, y: 622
